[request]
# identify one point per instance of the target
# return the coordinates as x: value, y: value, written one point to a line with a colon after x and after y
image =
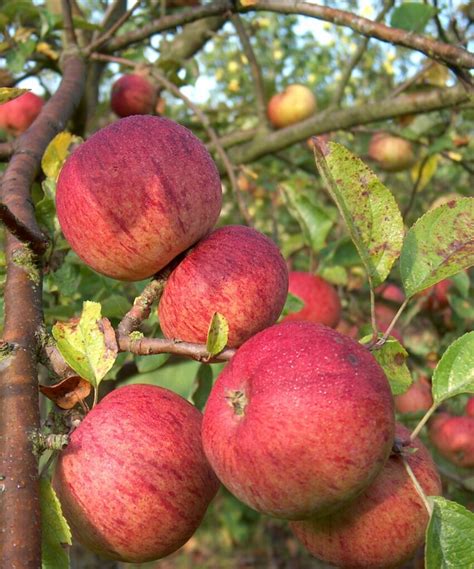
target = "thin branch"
x: 31, y: 236
x: 356, y: 57
x: 416, y: 185
x: 431, y: 48
x: 254, y: 68
x: 71, y: 39
x: 417, y: 485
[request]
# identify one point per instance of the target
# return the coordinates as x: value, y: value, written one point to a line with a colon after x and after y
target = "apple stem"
x: 96, y: 397
x: 417, y: 486
x: 238, y: 401
x: 423, y: 421
x: 388, y: 331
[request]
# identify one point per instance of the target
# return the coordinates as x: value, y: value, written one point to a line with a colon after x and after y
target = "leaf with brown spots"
x: 67, y: 392
x: 439, y: 245
x: 366, y: 205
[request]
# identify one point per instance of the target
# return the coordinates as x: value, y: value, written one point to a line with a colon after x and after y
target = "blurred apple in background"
x: 392, y: 154
x: 293, y: 105
x: 18, y: 114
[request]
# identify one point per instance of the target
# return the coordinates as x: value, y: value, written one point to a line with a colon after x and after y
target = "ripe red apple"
x: 470, y: 407
x: 454, y: 438
x: 392, y: 153
x: 437, y: 295
x: 236, y: 271
x: 385, y: 525
x: 295, y: 104
x: 321, y: 301
x: 132, y: 95
x: 133, y: 482
x: 18, y: 114
x: 135, y: 195
x: 299, y: 422
x: 416, y: 399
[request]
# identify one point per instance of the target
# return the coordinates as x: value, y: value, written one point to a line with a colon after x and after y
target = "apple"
x: 299, y: 422
x: 133, y: 482
x: 135, y: 195
x: 391, y: 292
x: 18, y: 114
x: 236, y: 271
x: 385, y: 525
x: 132, y: 95
x: 453, y: 437
x: 295, y: 104
x: 470, y: 407
x: 321, y: 301
x: 416, y: 399
x: 392, y: 153
x: 437, y: 295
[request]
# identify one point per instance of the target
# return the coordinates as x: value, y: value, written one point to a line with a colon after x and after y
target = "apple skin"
x: 133, y: 482
x: 132, y: 95
x: 385, y: 525
x: 393, y: 154
x: 416, y: 399
x: 135, y: 195
x: 454, y: 438
x: 293, y: 105
x: 321, y: 300
x: 18, y: 114
x: 299, y: 422
x: 236, y: 271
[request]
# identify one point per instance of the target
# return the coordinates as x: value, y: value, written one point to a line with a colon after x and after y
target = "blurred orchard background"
x: 215, y: 75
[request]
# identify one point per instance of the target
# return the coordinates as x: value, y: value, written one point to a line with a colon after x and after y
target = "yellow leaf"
x: 429, y: 169
x: 47, y: 50
x: 56, y: 153
x: 9, y: 93
x: 455, y: 156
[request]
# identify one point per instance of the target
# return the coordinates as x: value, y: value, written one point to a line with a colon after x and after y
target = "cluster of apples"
x: 300, y: 424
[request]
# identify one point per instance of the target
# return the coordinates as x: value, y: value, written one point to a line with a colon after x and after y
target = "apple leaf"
x: 10, y: 93
x: 204, y: 379
x: 55, y: 532
x: 145, y: 364
x: 366, y: 205
x: 392, y: 357
x: 439, y: 245
x: 87, y: 344
x: 422, y: 172
x: 412, y: 16
x: 315, y: 223
x: 217, y: 334
x: 57, y: 152
x: 454, y: 373
x: 293, y: 303
x: 67, y: 392
x: 449, y: 536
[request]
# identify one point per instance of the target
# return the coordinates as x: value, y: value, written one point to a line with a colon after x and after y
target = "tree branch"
x: 20, y: 538
x: 69, y: 32
x: 31, y: 236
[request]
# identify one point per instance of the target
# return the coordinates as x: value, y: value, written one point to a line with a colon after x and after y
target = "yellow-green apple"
x: 293, y: 105
x: 385, y: 525
x: 453, y: 437
x: 236, y: 271
x: 299, y: 422
x: 136, y: 194
x: 18, y: 114
x: 417, y: 398
x: 321, y: 301
x: 133, y: 482
x: 132, y: 94
x: 391, y: 153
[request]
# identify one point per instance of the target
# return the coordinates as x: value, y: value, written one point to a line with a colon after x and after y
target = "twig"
x: 69, y: 31
x: 254, y: 68
x: 417, y: 485
x: 423, y: 421
x: 415, y: 187
x: 32, y: 236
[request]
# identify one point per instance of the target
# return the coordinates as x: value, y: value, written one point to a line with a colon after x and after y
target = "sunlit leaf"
x: 10, y: 93
x: 217, y: 334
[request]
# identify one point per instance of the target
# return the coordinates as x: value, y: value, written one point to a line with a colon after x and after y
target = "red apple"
x: 18, y: 114
x: 299, y: 422
x: 437, y: 295
x: 236, y: 271
x: 470, y: 407
x: 132, y: 95
x: 391, y: 292
x: 133, y: 482
x: 392, y: 153
x: 416, y: 399
x: 135, y: 195
x: 295, y: 104
x: 385, y: 525
x: 321, y: 301
x: 454, y: 438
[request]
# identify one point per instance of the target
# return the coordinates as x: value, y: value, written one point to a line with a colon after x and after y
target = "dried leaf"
x: 68, y: 392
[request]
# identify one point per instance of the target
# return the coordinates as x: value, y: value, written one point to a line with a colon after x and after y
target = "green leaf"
x: 293, y: 303
x: 412, y: 16
x: 439, y: 245
x: 334, y: 274
x: 204, y: 379
x: 367, y: 206
x: 315, y: 223
x: 16, y: 58
x: 462, y: 283
x: 55, y: 532
x: 454, y: 373
x: 392, y: 358
x: 10, y: 93
x: 145, y: 364
x: 88, y: 345
x: 217, y: 334
x: 449, y: 536
x: 57, y: 152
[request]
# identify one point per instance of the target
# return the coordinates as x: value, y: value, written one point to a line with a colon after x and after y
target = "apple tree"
x: 237, y: 248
